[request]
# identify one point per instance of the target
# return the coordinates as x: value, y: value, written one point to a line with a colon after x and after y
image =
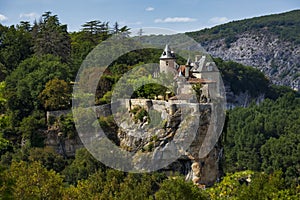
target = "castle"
x: 200, y: 71
x: 202, y: 170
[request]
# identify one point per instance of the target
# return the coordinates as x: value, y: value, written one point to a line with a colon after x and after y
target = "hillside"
x: 269, y: 43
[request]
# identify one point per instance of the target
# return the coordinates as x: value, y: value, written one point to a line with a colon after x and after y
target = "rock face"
x: 177, y: 135
x: 174, y: 126
x: 57, y: 139
x: 63, y: 145
x: 278, y: 59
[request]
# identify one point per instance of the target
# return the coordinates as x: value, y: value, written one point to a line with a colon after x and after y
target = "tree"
x: 2, y: 97
x: 31, y: 181
x: 15, y: 46
x: 50, y: 37
x: 116, y: 28
x: 253, y: 185
x: 56, y: 95
x: 136, y: 186
x: 48, y: 158
x: 283, y: 154
x: 93, y: 27
x: 4, y: 145
x: 25, y: 84
x: 96, y: 31
x: 83, y: 166
x: 230, y: 185
x: 140, y: 32
x: 264, y: 137
x: 125, y: 31
x: 262, y: 186
x: 25, y: 25
x: 178, y: 188
x: 31, y: 129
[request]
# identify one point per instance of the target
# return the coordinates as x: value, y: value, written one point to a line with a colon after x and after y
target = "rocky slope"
x: 270, y: 43
x: 169, y: 136
x: 179, y: 127
x: 277, y: 59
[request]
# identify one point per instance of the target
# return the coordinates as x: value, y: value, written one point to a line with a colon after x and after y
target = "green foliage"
x: 29, y: 80
x: 264, y: 137
x: 113, y: 184
x: 96, y: 30
x: 2, y: 97
x: 15, y: 46
x: 249, y: 185
x: 106, y: 98
x: 241, y: 78
x: 276, y: 91
x: 83, y: 166
x: 67, y: 126
x: 48, y: 158
x: 150, y: 91
x: 110, y: 128
x: 263, y: 186
x: 50, y: 37
x: 285, y: 26
x: 30, y: 181
x: 229, y: 187
x: 197, y: 89
x: 56, y: 95
x: 138, y: 113
x: 178, y: 188
x: 5, y: 124
x: 283, y: 154
x: 4, y: 145
x: 31, y: 129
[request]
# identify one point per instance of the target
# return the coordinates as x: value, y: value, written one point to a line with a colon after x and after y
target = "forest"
x: 38, y: 66
x: 284, y: 25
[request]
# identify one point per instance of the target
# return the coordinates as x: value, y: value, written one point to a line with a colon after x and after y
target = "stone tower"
x: 167, y: 60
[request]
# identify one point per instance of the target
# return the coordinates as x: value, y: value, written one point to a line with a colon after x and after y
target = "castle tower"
x: 167, y: 60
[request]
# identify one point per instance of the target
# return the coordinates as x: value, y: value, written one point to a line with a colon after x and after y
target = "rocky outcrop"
x: 278, y: 59
x: 167, y: 136
x: 178, y: 135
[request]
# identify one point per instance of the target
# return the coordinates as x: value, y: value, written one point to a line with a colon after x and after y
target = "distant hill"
x: 269, y: 43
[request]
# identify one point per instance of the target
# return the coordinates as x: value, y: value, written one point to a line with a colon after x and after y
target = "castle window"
x: 167, y: 63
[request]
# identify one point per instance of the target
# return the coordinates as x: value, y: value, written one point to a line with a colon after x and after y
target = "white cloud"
x: 149, y: 9
x: 31, y: 15
x: 3, y: 18
x: 175, y: 20
x: 218, y: 20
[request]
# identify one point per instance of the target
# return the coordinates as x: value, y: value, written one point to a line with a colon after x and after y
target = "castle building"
x: 198, y: 72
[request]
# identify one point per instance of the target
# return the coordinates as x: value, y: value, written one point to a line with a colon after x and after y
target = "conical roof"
x: 167, y: 53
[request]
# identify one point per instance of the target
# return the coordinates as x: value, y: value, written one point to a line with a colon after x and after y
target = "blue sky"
x: 178, y: 15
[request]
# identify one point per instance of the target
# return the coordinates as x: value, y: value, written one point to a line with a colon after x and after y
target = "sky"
x: 177, y: 15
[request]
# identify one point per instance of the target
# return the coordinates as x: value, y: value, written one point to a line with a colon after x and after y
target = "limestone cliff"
x: 180, y: 130
x: 269, y: 43
x: 276, y: 58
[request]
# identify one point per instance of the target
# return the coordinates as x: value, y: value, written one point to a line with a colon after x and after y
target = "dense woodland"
x: 285, y: 25
x: 38, y: 63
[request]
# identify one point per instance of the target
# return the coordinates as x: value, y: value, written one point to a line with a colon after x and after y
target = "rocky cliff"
x: 269, y: 43
x: 170, y: 129
x: 277, y: 59
x: 172, y: 136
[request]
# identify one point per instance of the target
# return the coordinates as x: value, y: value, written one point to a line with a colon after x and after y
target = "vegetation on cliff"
x: 285, y: 25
